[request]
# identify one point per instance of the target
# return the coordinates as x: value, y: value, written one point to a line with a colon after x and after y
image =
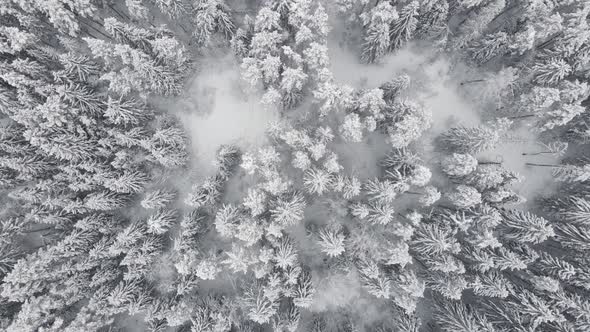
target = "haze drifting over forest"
x: 295, y: 165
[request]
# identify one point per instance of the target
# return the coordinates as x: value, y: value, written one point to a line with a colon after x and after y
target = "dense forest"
x: 368, y: 205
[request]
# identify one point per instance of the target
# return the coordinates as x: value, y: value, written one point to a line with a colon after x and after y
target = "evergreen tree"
x: 477, y: 21
x: 288, y: 210
x: 458, y: 164
x: 377, y: 26
x: 403, y: 27
x: 525, y: 227
x: 258, y: 307
x: 211, y: 16
x: 471, y: 140
x: 331, y: 241
x: 62, y: 14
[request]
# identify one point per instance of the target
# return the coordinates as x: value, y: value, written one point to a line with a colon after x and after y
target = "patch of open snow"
x: 218, y: 112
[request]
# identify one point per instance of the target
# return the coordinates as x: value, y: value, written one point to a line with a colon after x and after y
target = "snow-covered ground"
x: 219, y: 112
x: 441, y: 94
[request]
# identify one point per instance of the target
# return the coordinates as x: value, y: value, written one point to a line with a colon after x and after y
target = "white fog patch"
x: 449, y: 108
x: 335, y: 291
x: 536, y: 180
x: 438, y: 84
x: 347, y: 70
x: 219, y: 112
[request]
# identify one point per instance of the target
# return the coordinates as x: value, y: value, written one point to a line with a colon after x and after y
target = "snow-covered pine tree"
x: 403, y: 27
x: 377, y: 24
x: 471, y: 139
x: 211, y: 16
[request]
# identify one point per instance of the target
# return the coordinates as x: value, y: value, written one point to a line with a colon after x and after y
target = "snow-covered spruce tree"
x: 209, y: 191
x: 377, y: 24
x: 257, y: 306
x: 172, y: 8
x: 145, y: 61
x: 375, y: 280
x: 288, y: 38
x: 456, y: 316
x: 432, y: 22
x: 406, y: 121
x: 158, y: 198
x: 464, y: 197
x: 331, y: 241
x: 571, y: 173
x: 477, y: 20
x: 490, y: 46
x: 211, y: 16
x: 458, y: 164
x: 63, y: 15
x: 525, y: 227
x: 317, y: 181
x: 304, y: 291
x: 403, y: 27
x: 288, y: 210
x: 76, y: 165
x: 473, y: 139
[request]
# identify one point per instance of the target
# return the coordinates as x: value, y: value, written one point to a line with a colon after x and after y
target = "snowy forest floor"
x: 219, y: 109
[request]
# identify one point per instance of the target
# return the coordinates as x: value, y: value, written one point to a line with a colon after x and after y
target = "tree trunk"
x: 489, y: 162
x: 521, y: 116
x: 183, y: 28
x: 420, y: 262
x: 91, y: 35
x: 536, y: 153
x: 123, y: 16
x: 95, y: 29
x: 472, y: 81
x: 466, y: 15
x: 506, y: 9
x: 548, y: 41
x: 38, y: 230
x: 95, y: 22
x: 47, y: 44
x: 542, y: 165
x: 444, y: 206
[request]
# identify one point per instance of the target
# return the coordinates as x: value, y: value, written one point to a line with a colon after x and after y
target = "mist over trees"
x: 366, y: 207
